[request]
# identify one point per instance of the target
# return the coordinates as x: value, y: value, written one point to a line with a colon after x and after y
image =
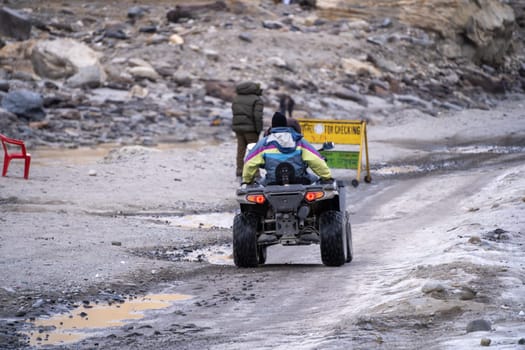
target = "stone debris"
x: 180, y: 64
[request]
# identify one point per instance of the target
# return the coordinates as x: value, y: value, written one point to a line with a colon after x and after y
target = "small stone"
x: 38, y: 303
x: 246, y: 37
x: 117, y: 243
x: 467, y: 293
x: 474, y: 240
x: 20, y: 313
x: 478, y: 325
x: 92, y: 172
x: 521, y: 341
x: 176, y: 40
x: 485, y: 342
x: 432, y: 286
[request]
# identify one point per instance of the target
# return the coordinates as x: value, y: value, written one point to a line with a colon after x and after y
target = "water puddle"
x: 86, y: 155
x: 217, y: 220
x: 87, y: 321
x: 221, y: 259
x: 480, y: 149
x: 441, y: 163
x: 398, y: 170
x: 209, y: 220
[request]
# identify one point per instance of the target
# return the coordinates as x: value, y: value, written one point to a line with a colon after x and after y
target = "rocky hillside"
x: 83, y: 73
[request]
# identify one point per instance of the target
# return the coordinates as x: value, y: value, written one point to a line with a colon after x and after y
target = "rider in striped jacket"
x: 284, y: 144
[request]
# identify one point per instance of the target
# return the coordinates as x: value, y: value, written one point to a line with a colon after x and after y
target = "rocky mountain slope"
x: 166, y: 70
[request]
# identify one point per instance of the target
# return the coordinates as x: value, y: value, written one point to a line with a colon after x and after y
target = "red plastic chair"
x: 21, y: 155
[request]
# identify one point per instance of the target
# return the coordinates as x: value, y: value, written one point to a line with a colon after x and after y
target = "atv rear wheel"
x: 245, y: 240
x: 349, y: 245
x: 333, y: 239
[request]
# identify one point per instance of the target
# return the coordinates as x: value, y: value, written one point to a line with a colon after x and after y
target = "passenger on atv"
x: 284, y: 145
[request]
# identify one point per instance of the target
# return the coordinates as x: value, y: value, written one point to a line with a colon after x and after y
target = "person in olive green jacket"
x: 247, y: 122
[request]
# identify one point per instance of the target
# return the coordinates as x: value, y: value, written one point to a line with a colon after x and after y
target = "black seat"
x: 284, y: 174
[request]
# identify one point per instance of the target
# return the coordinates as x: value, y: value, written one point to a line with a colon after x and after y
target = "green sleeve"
x: 318, y: 165
x: 251, y: 166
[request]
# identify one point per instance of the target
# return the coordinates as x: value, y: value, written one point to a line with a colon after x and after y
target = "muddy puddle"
x: 222, y: 220
x: 89, y: 320
x: 87, y: 155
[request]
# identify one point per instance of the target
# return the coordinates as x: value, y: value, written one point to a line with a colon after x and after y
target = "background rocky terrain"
x: 143, y: 73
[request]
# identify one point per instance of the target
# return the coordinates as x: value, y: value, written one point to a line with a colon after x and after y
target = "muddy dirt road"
x: 376, y: 301
x: 133, y: 235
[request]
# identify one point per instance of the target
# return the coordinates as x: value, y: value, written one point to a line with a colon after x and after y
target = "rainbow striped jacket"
x: 283, y: 144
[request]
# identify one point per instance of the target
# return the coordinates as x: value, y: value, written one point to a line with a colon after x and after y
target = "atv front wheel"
x: 245, y: 240
x: 333, y: 239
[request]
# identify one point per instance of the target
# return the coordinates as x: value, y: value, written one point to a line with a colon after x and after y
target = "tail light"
x: 256, y: 198
x: 312, y: 196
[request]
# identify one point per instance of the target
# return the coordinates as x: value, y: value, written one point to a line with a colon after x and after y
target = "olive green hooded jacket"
x: 247, y: 108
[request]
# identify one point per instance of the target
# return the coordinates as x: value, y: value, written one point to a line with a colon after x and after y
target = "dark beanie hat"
x: 278, y: 120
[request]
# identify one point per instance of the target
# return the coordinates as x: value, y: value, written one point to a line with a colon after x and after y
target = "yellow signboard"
x: 349, y: 132
x: 337, y: 131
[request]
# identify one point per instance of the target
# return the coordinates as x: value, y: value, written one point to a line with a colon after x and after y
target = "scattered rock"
x: 475, y: 240
x: 4, y: 85
x: 24, y: 103
x: 176, y: 39
x: 485, y: 342
x: 7, y: 120
x: 351, y: 95
x: 178, y: 14
x: 246, y: 37
x: 116, y: 31
x: 497, y: 235
x: 355, y: 67
x: 467, y: 293
x: 187, y: 11
x: 14, y: 24
x: 220, y: 89
x: 144, y: 73
x: 20, y: 313
x: 148, y: 29
x: 38, y: 303
x: 64, y: 58
x: 272, y: 25
x: 435, y: 290
x: 92, y: 172
x: 478, y: 326
x: 137, y: 12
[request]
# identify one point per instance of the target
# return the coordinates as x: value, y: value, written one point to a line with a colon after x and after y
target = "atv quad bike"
x: 291, y: 213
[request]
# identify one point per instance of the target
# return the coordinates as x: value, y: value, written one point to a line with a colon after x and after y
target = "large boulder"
x: 70, y: 59
x: 481, y: 29
x: 25, y: 104
x: 490, y: 29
